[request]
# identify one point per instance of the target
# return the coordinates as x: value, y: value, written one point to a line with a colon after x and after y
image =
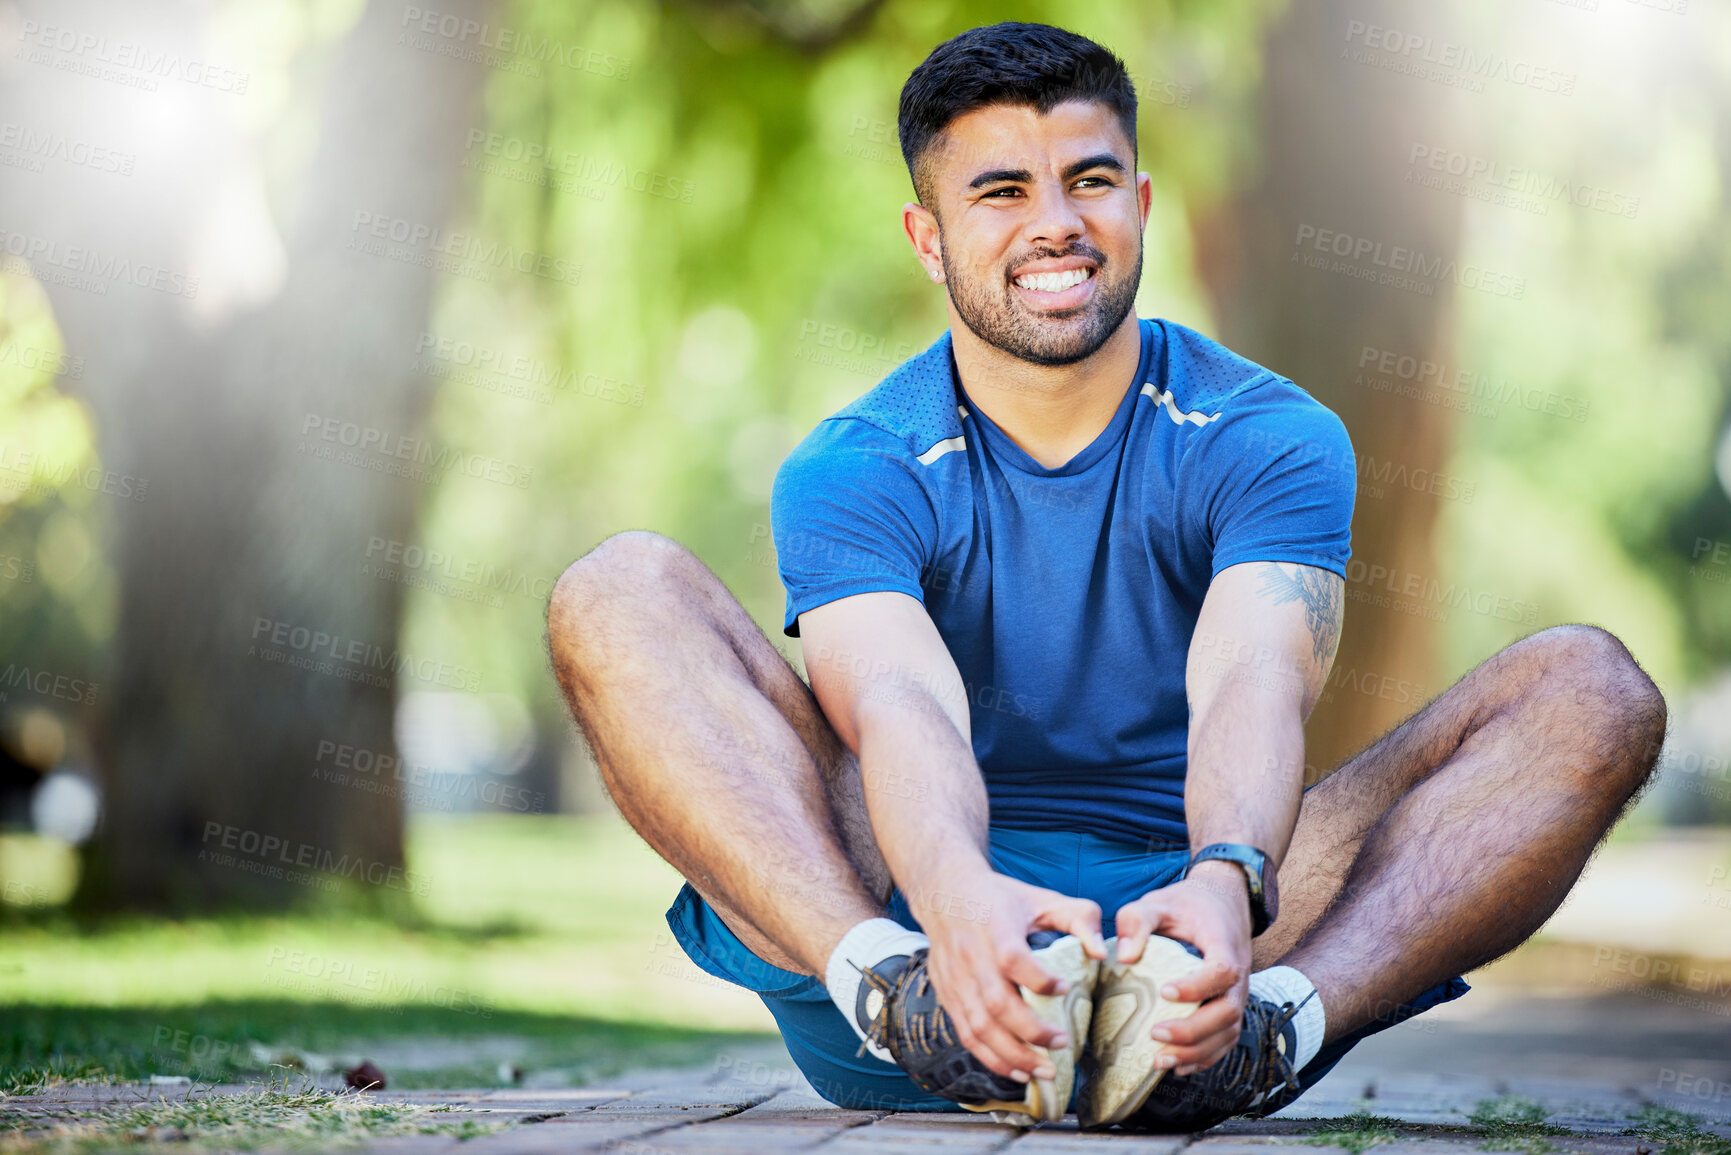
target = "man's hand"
x: 1210, y: 910
x: 980, y: 954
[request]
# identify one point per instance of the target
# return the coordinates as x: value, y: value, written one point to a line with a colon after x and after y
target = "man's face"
x: 1039, y: 226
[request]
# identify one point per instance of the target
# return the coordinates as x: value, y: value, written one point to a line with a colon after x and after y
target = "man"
x: 1068, y: 584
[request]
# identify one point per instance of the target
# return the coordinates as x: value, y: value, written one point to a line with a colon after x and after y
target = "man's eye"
x: 1006, y: 191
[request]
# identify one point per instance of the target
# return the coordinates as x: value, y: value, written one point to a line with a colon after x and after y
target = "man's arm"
x: 1263, y: 645
x: 890, y: 688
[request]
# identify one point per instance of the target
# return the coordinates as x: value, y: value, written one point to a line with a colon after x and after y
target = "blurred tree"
x: 1332, y: 134
x: 244, y: 638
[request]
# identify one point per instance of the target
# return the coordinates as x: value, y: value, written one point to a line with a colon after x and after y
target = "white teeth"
x: 1053, y: 282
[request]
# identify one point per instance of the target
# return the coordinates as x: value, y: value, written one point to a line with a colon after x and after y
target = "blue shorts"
x: 825, y: 1047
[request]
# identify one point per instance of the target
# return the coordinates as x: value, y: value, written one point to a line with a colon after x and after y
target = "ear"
x: 922, y: 229
x: 1144, y: 195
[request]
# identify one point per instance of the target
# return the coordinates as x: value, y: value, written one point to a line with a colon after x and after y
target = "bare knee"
x: 634, y: 566
x: 1603, y: 696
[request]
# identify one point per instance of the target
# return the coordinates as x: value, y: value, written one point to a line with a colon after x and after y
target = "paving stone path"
x: 1589, y: 1065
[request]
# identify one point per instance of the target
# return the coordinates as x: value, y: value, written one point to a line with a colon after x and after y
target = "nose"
x: 1054, y: 219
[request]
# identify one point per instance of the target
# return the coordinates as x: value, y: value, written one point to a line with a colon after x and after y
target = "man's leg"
x: 714, y: 750
x: 1453, y: 838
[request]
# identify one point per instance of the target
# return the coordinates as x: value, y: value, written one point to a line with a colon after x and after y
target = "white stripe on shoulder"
x: 1178, y: 415
x: 948, y: 445
x: 961, y: 410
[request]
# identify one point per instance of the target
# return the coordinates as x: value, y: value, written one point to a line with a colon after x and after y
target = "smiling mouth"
x: 1053, y: 282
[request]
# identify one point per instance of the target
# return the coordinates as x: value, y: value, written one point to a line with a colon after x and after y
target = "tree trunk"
x: 1336, y: 134
x: 249, y: 645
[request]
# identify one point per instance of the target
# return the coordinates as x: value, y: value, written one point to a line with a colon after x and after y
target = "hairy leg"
x: 1452, y: 839
x: 714, y: 750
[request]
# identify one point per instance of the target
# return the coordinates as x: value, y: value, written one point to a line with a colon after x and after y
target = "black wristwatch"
x: 1264, y: 896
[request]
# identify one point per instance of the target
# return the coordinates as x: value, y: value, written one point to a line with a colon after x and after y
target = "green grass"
x: 280, y: 1114
x: 1679, y: 1132
x: 1514, y: 1123
x: 554, y: 915
x: 540, y: 944
x: 1357, y: 1132
x: 231, y: 1042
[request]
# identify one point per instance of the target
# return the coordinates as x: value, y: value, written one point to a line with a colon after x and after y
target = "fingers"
x: 1077, y: 916
x: 1136, y: 921
x: 1024, y: 971
x: 995, y: 1024
x: 1202, y: 1037
x: 1207, y: 981
x: 990, y: 1016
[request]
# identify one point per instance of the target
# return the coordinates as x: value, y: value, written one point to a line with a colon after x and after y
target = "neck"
x: 1051, y: 412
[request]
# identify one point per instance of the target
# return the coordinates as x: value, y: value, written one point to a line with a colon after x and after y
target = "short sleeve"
x: 1272, y: 478
x: 849, y: 517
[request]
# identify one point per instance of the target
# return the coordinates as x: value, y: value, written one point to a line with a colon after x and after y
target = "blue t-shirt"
x: 1068, y: 596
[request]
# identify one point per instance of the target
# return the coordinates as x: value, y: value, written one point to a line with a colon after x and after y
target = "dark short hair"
x: 1009, y: 63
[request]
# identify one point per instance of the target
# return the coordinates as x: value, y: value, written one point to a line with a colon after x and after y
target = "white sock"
x: 1286, y: 985
x: 866, y: 945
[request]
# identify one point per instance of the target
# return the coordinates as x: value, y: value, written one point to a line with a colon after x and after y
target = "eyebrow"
x: 1021, y: 175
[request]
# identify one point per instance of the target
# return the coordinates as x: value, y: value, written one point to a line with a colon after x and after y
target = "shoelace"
x: 1264, y: 1040
x: 919, y: 1027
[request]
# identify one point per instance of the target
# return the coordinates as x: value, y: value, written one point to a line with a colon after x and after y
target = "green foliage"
x: 760, y: 283
x: 282, y: 1114
x: 1680, y: 1132
x: 539, y: 915
x: 1514, y: 1123
x: 248, y: 1040
x: 1356, y: 1133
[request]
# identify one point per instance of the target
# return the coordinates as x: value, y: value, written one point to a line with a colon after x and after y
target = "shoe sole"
x: 1127, y: 1005
x: 1072, y: 1012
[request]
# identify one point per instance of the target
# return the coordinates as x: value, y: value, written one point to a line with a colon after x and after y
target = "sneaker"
x: 1121, y: 1070
x: 1255, y: 1078
x: 898, y: 1002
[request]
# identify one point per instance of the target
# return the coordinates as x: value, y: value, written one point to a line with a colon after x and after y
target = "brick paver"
x: 1589, y: 1071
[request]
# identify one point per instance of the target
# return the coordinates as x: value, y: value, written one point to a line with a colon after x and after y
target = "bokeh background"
x: 332, y: 330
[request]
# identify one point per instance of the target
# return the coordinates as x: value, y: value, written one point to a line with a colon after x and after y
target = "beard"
x: 990, y: 308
